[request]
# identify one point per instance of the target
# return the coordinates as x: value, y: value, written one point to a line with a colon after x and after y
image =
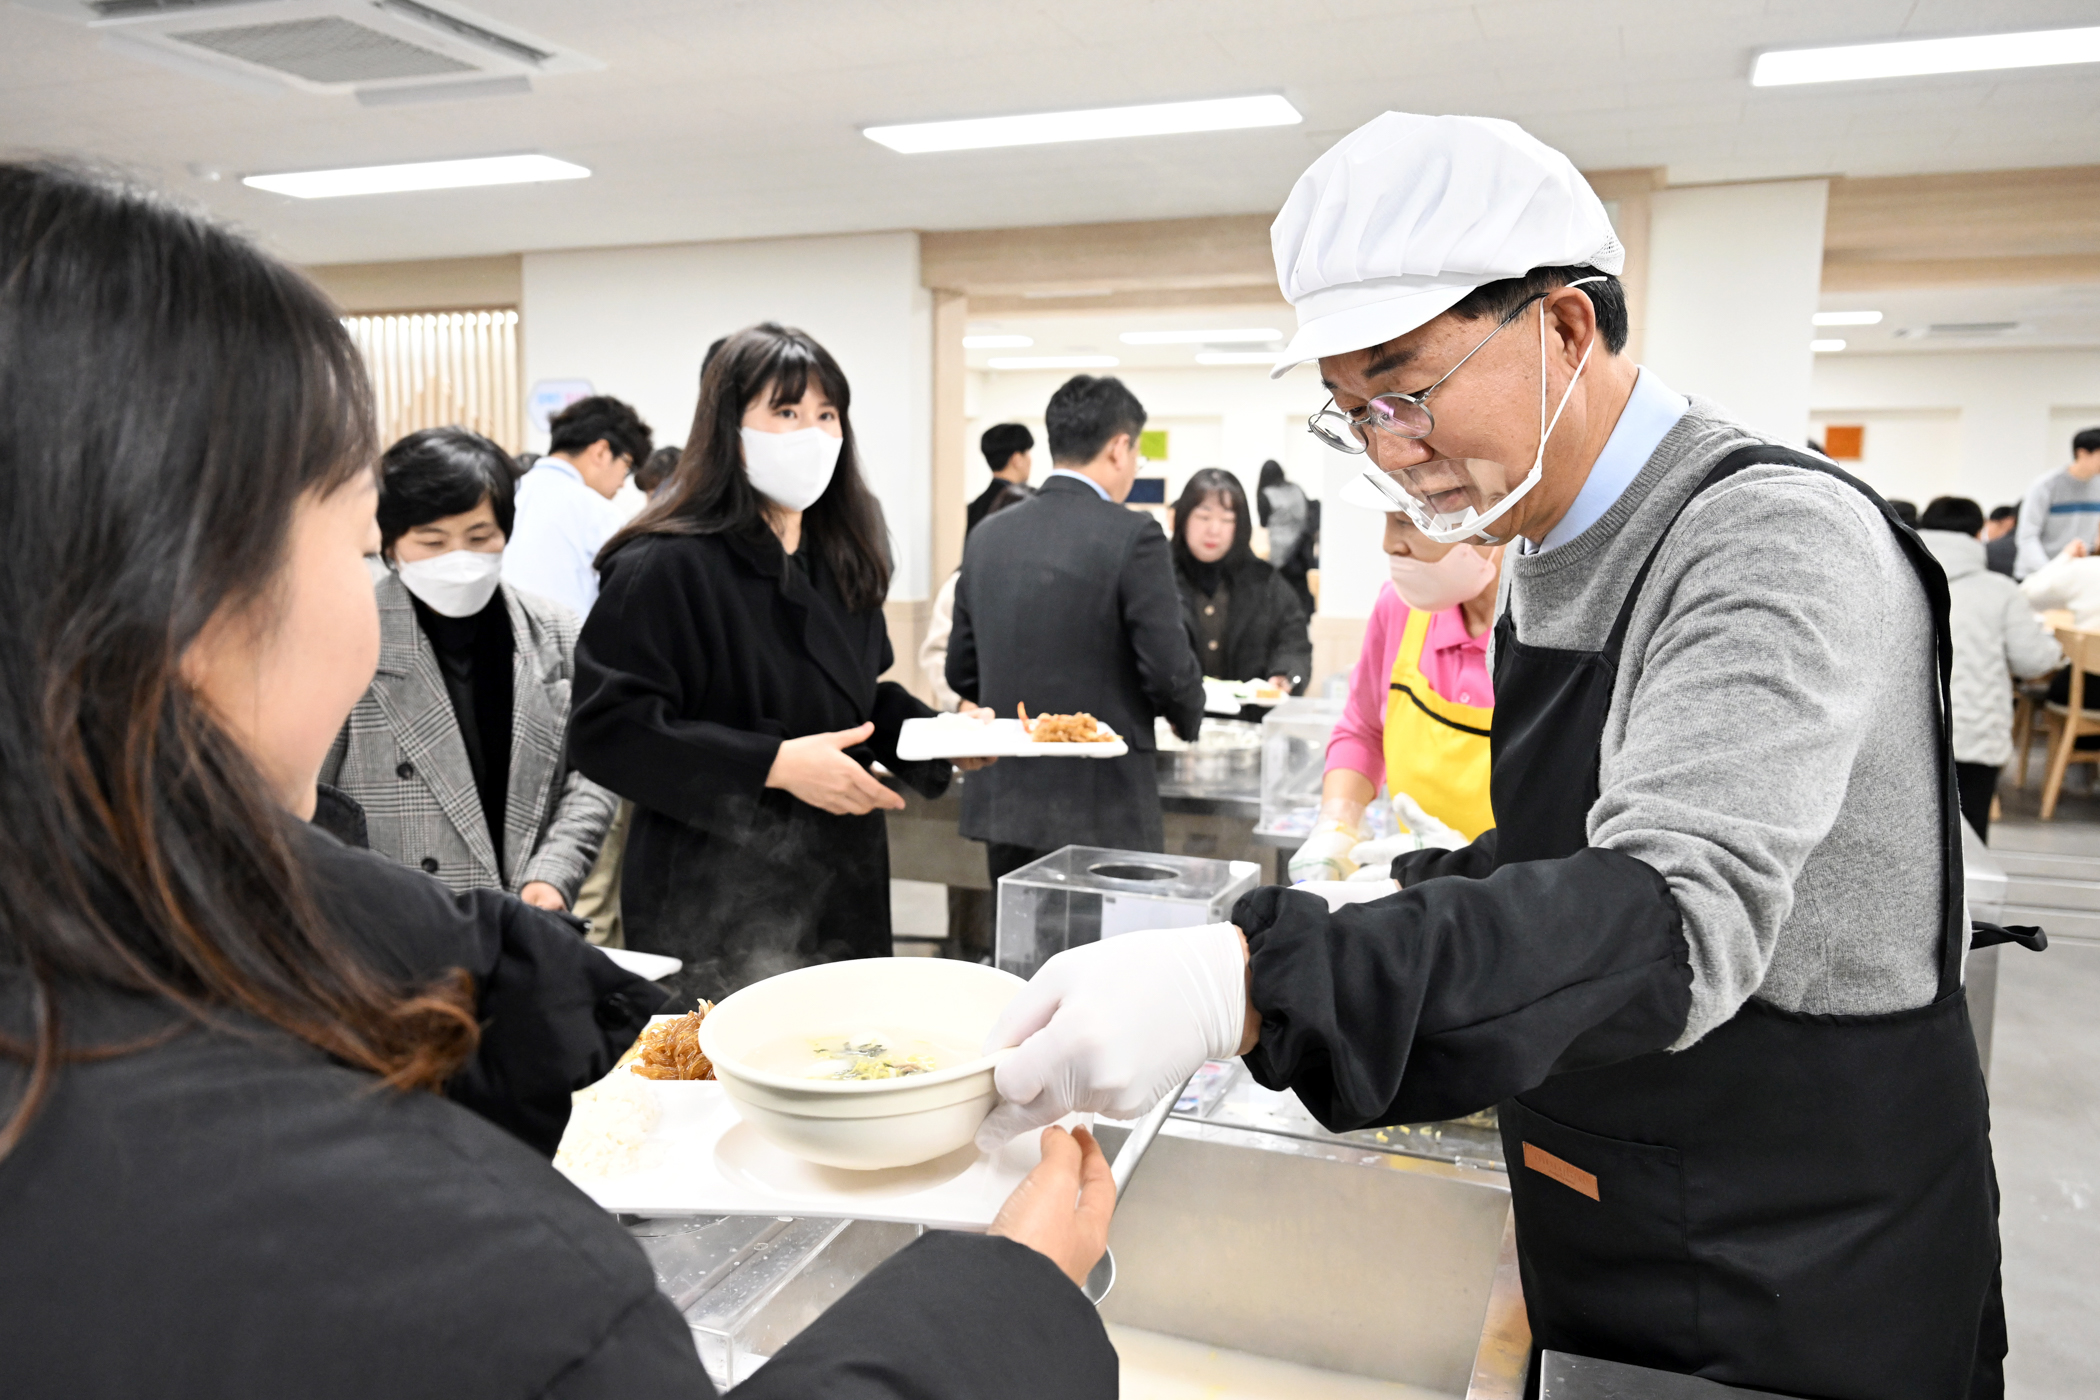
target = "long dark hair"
x: 1213, y: 481
x: 168, y: 393
x: 709, y: 494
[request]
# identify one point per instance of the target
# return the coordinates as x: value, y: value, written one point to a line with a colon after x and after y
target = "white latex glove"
x: 1429, y: 830
x: 1374, y: 858
x: 1354, y: 890
x: 1325, y: 854
x: 1113, y: 1027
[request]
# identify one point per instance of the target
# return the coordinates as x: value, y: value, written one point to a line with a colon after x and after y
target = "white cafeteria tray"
x: 953, y: 736
x: 701, y: 1159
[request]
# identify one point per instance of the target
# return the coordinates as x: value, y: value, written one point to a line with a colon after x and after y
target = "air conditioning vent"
x: 325, y: 51
x: 1972, y: 327
x: 132, y: 9
x: 381, y: 50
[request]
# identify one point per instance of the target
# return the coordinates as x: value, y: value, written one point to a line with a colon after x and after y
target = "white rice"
x: 609, y: 1127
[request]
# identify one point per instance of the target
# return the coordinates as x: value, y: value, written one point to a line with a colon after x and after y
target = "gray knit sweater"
x: 1770, y: 745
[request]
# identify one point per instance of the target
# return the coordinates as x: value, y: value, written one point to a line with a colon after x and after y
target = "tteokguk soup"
x: 866, y: 1054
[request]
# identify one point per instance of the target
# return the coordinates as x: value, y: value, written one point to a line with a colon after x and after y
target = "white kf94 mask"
x: 791, y: 469
x: 457, y: 584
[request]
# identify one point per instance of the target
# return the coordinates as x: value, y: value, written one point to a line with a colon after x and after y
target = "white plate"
x: 952, y: 736
x: 1228, y: 697
x: 702, y: 1159
x: 654, y: 966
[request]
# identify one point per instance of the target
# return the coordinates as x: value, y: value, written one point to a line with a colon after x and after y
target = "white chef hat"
x: 1405, y: 215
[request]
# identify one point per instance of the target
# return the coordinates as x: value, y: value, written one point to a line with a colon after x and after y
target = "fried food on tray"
x: 671, y: 1049
x: 1081, y: 728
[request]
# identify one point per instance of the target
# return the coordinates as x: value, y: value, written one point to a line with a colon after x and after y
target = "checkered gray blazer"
x: 400, y: 756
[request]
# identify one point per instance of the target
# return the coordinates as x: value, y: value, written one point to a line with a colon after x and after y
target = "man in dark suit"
x: 1067, y: 602
x: 1007, y: 448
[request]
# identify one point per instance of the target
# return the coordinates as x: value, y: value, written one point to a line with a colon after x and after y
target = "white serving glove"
x: 1357, y: 889
x: 1373, y: 859
x: 1429, y: 830
x: 1325, y: 854
x: 1113, y: 1027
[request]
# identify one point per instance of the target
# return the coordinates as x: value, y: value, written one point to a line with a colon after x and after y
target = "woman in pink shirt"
x: 1420, y: 701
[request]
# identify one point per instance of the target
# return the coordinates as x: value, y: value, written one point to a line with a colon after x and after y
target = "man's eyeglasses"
x: 1397, y: 415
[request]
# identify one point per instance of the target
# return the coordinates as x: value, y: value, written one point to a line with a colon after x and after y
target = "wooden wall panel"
x: 435, y: 284
x: 1975, y: 228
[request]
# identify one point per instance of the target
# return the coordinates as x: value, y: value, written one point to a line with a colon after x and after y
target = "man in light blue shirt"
x: 1652, y: 409
x: 2061, y: 507
x: 565, y: 510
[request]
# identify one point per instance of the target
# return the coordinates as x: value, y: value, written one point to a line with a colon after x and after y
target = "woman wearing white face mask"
x: 727, y: 682
x: 1418, y: 711
x: 455, y: 752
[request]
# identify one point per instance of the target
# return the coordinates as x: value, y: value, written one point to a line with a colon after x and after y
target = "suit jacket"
x: 1068, y: 602
x: 703, y: 653
x: 400, y: 757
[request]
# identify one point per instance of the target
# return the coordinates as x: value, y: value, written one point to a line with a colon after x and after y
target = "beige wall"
x: 439, y: 284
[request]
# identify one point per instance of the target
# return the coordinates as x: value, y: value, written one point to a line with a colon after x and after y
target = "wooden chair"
x: 2028, y: 699
x: 2065, y: 724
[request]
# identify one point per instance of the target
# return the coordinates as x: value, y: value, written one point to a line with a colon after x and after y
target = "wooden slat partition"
x: 431, y: 369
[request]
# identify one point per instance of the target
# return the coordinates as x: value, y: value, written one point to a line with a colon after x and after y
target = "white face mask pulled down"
x: 456, y: 584
x: 1459, y: 498
x: 791, y: 469
x: 1459, y: 577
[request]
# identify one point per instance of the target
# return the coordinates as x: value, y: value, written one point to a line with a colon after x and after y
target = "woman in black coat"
x: 237, y: 1060
x: 1243, y: 619
x: 726, y: 683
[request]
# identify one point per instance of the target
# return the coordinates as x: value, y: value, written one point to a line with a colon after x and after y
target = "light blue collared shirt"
x: 1651, y: 411
x: 1096, y: 487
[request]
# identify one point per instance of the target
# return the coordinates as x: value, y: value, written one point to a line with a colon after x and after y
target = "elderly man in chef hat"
x: 1708, y: 962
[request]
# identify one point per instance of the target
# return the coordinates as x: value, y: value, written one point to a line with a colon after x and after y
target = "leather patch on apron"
x: 1566, y: 1173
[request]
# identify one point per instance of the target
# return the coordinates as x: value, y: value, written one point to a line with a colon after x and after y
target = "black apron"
x: 1798, y: 1203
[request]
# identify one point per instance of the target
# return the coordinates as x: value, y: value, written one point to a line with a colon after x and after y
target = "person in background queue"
x: 1007, y: 449
x: 2001, y: 545
x: 455, y: 754
x: 1293, y: 521
x: 1708, y: 962
x: 221, y: 1031
x: 730, y: 690
x: 2061, y: 506
x: 1418, y: 713
x: 657, y: 470
x: 1067, y: 603
x: 572, y: 502
x: 1997, y: 636
x: 1242, y: 618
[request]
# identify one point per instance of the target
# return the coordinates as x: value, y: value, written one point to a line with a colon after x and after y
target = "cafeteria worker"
x: 1419, y: 706
x: 1708, y: 963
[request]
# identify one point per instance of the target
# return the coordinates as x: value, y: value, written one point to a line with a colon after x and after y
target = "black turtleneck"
x: 474, y: 656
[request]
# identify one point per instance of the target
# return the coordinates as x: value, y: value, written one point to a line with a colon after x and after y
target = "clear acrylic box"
x: 1085, y: 893
x: 1294, y: 739
x: 748, y: 1284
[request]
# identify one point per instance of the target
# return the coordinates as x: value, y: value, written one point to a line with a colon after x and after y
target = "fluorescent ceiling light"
x: 1097, y: 124
x: 997, y: 342
x: 1906, y: 58
x: 1054, y: 362
x: 423, y: 175
x: 1199, y: 337
x: 1826, y: 347
x: 1237, y: 357
x: 1847, y: 318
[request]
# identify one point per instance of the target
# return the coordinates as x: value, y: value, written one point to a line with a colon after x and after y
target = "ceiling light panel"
x: 1095, y: 124
x: 1826, y: 347
x: 1909, y: 58
x: 423, y: 175
x: 1847, y: 318
x: 997, y: 342
x: 1240, y: 337
x: 1054, y: 362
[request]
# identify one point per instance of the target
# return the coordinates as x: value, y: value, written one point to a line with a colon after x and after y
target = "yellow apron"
x: 1436, y: 750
